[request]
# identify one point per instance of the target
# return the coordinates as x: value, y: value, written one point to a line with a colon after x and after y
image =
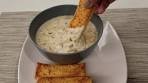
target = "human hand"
x: 100, y: 5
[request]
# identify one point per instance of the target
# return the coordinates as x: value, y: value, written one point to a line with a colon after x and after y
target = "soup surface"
x: 55, y: 36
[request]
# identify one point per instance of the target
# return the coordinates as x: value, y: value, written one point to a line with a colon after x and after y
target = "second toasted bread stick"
x: 65, y: 80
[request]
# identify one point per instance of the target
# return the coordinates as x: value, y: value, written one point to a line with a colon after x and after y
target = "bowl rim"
x: 69, y: 53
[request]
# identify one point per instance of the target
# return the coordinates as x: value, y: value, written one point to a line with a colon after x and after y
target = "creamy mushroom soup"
x: 56, y: 36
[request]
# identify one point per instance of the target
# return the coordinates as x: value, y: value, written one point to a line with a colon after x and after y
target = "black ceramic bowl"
x: 63, y: 58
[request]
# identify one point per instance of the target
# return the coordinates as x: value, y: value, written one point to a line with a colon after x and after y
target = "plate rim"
x: 20, y: 58
x: 116, y: 34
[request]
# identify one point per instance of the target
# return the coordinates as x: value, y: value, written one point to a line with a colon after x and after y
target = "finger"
x: 98, y: 3
x: 90, y: 3
x: 104, y: 4
x: 93, y: 1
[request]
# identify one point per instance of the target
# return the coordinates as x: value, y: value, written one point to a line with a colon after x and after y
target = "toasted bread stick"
x: 65, y: 80
x: 82, y: 15
x: 52, y: 70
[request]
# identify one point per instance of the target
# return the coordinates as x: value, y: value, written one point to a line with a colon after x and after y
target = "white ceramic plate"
x: 107, y: 64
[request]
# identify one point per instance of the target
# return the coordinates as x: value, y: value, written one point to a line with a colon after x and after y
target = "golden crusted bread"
x: 53, y: 70
x: 82, y: 15
x: 65, y: 80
